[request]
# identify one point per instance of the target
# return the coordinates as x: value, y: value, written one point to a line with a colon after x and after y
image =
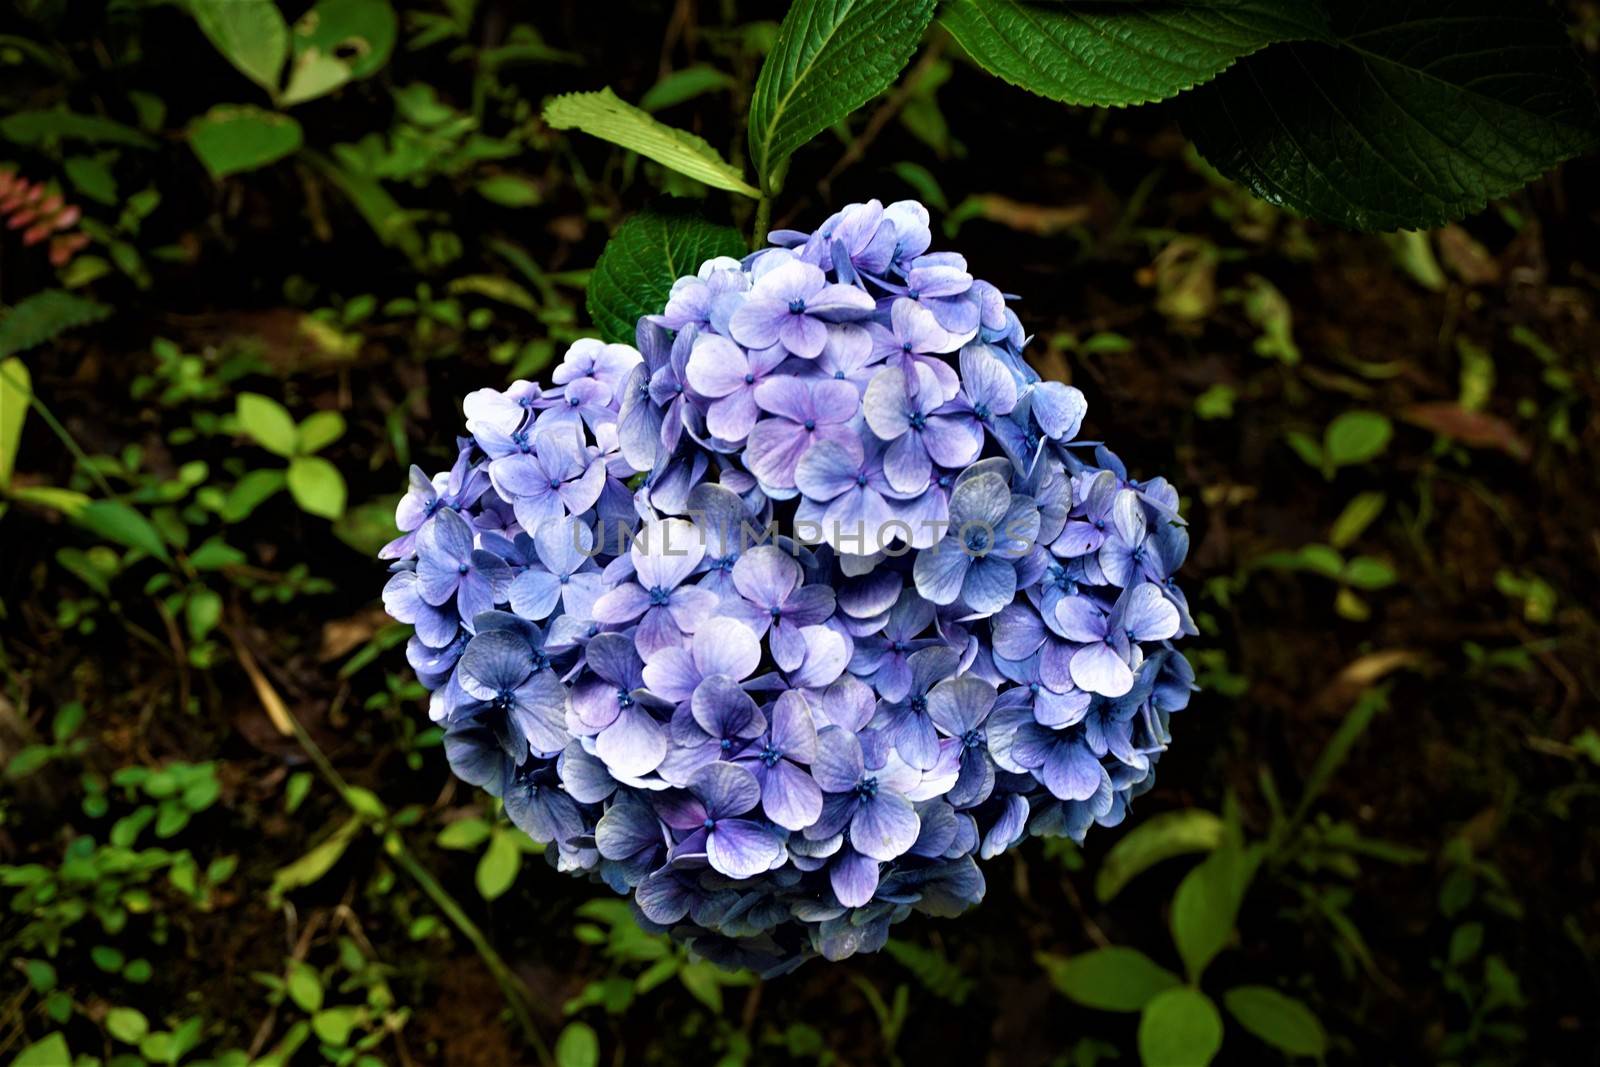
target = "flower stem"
x: 758, y: 232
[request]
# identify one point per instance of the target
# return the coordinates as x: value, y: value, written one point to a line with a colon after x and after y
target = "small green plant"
x: 1351, y: 439
x: 316, y: 485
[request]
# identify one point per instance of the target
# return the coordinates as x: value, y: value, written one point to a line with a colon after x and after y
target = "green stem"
x: 758, y: 233
x: 60, y: 431
x: 516, y: 993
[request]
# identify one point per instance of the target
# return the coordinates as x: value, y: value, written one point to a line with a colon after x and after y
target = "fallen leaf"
x: 1476, y: 429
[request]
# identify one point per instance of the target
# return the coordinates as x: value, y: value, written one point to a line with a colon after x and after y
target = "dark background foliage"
x: 1206, y: 328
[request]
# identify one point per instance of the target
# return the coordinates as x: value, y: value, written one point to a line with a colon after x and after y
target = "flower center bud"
x: 797, y: 307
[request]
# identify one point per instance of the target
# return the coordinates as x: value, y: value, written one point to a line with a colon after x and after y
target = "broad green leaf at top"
x: 1119, y: 54
x: 644, y: 257
x: 251, y: 34
x: 1160, y: 837
x: 338, y: 41
x: 830, y: 57
x: 1412, y: 115
x: 610, y: 118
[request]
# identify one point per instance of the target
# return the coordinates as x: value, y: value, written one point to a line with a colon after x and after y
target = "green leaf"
x: 578, y: 1046
x: 215, y: 554
x: 1355, y: 437
x: 251, y: 34
x: 1179, y: 1028
x: 44, y: 316
x: 35, y: 127
x: 335, y: 1025
x: 317, y: 486
x: 1356, y: 517
x: 1160, y: 837
x: 305, y: 986
x: 310, y: 868
x: 1109, y: 979
x: 1414, y: 114
x: 464, y: 834
x: 49, y: 1051
x: 609, y: 118
x: 684, y: 85
x: 497, y: 867
x: 231, y: 138
x: 248, y: 493
x: 830, y: 57
x: 1206, y: 905
x: 338, y: 41
x: 117, y: 522
x: 509, y: 190
x: 267, y: 422
x: 1368, y: 572
x: 16, y: 389
x: 201, y: 613
x: 1116, y: 54
x: 1281, y: 1021
x: 127, y: 1025
x: 319, y: 430
x: 92, y: 177
x: 644, y: 257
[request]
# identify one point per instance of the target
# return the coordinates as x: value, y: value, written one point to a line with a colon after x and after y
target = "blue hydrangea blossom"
x: 785, y: 617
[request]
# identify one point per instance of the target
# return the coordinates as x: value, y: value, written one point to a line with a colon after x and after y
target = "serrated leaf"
x: 251, y: 34
x: 1281, y: 1021
x: 317, y: 486
x: 1171, y: 833
x: 268, y: 423
x: 644, y: 257
x: 44, y: 316
x: 117, y: 522
x: 1114, y: 54
x: 1415, y: 115
x: 231, y: 138
x: 16, y: 390
x: 829, y: 58
x: 610, y: 118
x: 1179, y: 1028
x: 1109, y: 979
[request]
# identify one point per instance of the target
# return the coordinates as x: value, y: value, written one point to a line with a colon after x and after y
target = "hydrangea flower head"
x: 784, y: 618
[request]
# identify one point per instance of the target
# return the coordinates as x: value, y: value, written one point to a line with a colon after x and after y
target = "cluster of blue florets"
x: 785, y: 617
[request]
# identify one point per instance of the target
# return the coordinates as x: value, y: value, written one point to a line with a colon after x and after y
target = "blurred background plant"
x: 253, y: 251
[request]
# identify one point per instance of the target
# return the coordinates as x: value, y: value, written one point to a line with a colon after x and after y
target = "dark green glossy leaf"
x: 830, y: 57
x: 1419, y: 113
x: 644, y: 257
x: 1119, y: 54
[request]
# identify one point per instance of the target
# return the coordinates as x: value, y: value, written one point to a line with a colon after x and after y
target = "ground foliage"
x: 1389, y: 442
